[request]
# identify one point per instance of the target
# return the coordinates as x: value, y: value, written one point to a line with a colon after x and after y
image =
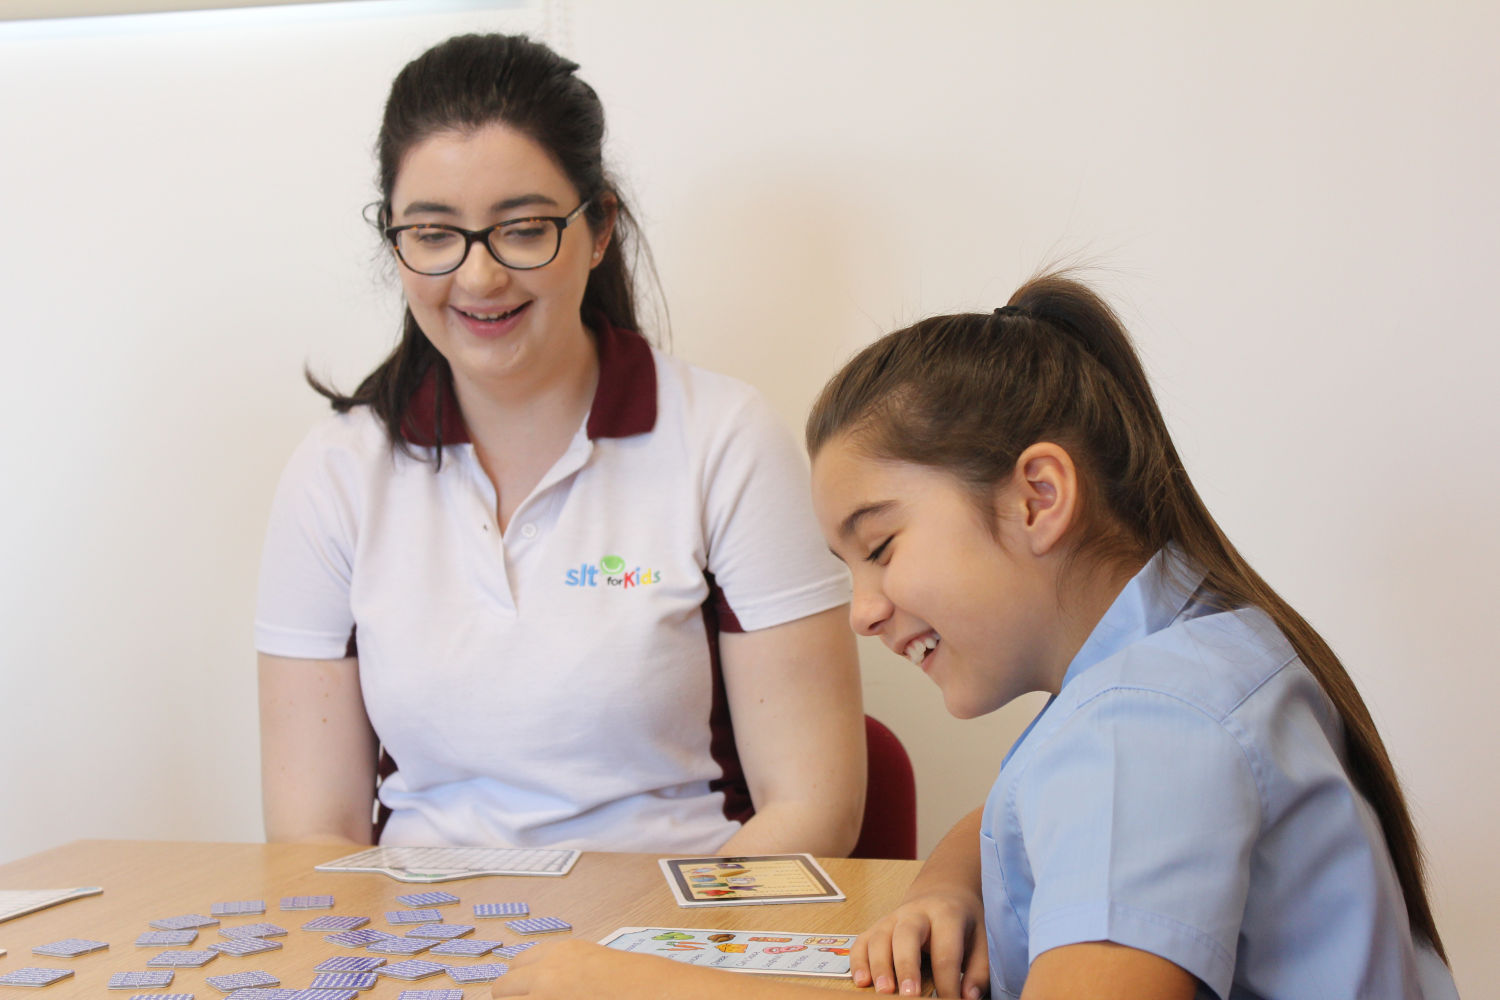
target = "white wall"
x: 1295, y: 205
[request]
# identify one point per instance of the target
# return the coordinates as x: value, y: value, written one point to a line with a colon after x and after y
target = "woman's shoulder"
x: 342, y: 444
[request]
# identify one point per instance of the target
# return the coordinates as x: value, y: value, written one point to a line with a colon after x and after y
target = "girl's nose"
x: 868, y: 611
x: 481, y: 273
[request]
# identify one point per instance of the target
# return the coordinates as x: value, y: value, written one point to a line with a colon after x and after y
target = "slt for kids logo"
x: 612, y: 571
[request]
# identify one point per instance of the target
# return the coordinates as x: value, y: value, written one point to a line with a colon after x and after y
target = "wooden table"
x: 150, y: 880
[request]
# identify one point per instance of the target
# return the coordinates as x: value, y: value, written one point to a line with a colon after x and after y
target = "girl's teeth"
x: 917, y: 651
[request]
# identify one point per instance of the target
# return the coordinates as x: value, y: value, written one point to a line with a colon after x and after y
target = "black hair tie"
x: 1004, y: 311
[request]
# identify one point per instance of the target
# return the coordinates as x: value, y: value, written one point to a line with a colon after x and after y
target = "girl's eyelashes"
x: 879, y: 550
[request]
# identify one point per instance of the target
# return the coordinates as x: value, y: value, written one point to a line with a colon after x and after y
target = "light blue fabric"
x: 1184, y: 794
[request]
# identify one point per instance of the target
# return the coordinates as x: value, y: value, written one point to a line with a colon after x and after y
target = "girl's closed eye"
x: 880, y: 550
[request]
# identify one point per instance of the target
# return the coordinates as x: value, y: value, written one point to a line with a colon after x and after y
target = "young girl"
x: 1203, y: 808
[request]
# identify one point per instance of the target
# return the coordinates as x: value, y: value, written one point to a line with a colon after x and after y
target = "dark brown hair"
x: 969, y: 393
x: 464, y: 84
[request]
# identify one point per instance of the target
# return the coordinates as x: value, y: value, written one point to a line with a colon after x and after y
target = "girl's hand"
x: 949, y: 925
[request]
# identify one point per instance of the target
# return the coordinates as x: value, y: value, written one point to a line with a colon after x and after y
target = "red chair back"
x: 890, y: 824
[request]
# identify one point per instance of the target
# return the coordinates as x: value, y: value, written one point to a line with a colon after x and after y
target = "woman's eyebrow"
x: 439, y: 208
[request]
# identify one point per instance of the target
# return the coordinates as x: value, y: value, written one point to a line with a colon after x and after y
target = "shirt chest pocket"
x: 1004, y: 916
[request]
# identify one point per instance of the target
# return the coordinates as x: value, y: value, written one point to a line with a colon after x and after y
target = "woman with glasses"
x: 571, y: 586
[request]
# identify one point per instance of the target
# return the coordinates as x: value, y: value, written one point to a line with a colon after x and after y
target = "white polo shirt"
x: 558, y: 685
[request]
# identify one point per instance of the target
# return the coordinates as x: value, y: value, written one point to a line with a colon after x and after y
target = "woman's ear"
x: 1045, y: 487
x: 606, y: 229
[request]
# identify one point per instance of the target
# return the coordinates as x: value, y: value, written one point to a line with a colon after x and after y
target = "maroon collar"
x: 624, y: 401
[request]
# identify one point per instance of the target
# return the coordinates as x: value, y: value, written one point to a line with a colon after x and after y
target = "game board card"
x: 333, y: 923
x: 343, y: 981
x: 766, y: 878
x: 399, y: 946
x: 240, y: 947
x: 350, y: 963
x: 70, y: 948
x: 19, y: 902
x: 242, y: 980
x: 431, y: 995
x: 357, y: 938
x: 539, y: 925
x: 412, y: 968
x: 166, y: 939
x: 152, y: 979
x: 477, y: 973
x: 307, y: 902
x: 34, y: 975
x: 184, y: 959
x: 470, y: 947
x: 442, y: 864
x: 239, y: 908
x: 420, y: 899
x: 413, y: 917
x: 261, y: 930
x: 441, y: 932
x: 184, y: 922
x: 501, y: 910
x: 787, y: 953
x: 512, y: 950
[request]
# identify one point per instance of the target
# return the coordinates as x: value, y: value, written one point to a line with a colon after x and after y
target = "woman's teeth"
x: 493, y: 317
x: 919, y: 648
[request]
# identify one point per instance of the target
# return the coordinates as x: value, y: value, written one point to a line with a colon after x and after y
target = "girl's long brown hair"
x: 969, y: 393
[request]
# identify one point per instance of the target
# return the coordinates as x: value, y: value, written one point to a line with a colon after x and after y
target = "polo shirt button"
x: 528, y: 531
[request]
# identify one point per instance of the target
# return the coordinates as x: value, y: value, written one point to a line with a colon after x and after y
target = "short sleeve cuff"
x: 791, y: 605
x: 297, y: 644
x: 1186, y: 947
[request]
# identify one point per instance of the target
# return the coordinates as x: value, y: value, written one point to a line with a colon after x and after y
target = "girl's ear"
x: 1045, y: 486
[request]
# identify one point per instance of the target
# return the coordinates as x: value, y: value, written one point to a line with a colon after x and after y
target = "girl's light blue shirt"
x: 1184, y: 794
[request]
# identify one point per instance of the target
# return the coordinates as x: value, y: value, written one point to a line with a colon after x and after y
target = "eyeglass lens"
x: 524, y: 243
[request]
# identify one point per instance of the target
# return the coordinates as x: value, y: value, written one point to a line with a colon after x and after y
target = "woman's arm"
x: 799, y: 727
x: 943, y: 914
x: 317, y: 751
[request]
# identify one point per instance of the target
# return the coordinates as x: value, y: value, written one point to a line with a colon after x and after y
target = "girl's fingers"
x: 976, y: 983
x: 878, y: 965
x: 946, y: 949
x: 907, y: 941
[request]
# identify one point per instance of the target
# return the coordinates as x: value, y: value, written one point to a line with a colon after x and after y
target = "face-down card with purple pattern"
x: 261, y: 930
x: 501, y: 910
x: 436, y: 898
x: 166, y: 939
x: 311, y: 994
x: 477, y: 973
x: 358, y: 938
x: 512, y: 950
x: 539, y: 925
x: 343, y: 981
x: 70, y: 947
x: 239, y: 908
x: 240, y: 947
x: 330, y: 922
x: 185, y: 922
x: 307, y: 902
x: 412, y: 968
x: 469, y: 947
x: 440, y: 932
x: 150, y: 979
x: 350, y: 963
x: 431, y: 995
x: 399, y: 946
x: 182, y: 959
x: 242, y: 980
x: 413, y: 917
x: 34, y: 975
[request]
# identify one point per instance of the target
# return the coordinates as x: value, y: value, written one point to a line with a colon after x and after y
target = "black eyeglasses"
x: 519, y: 244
